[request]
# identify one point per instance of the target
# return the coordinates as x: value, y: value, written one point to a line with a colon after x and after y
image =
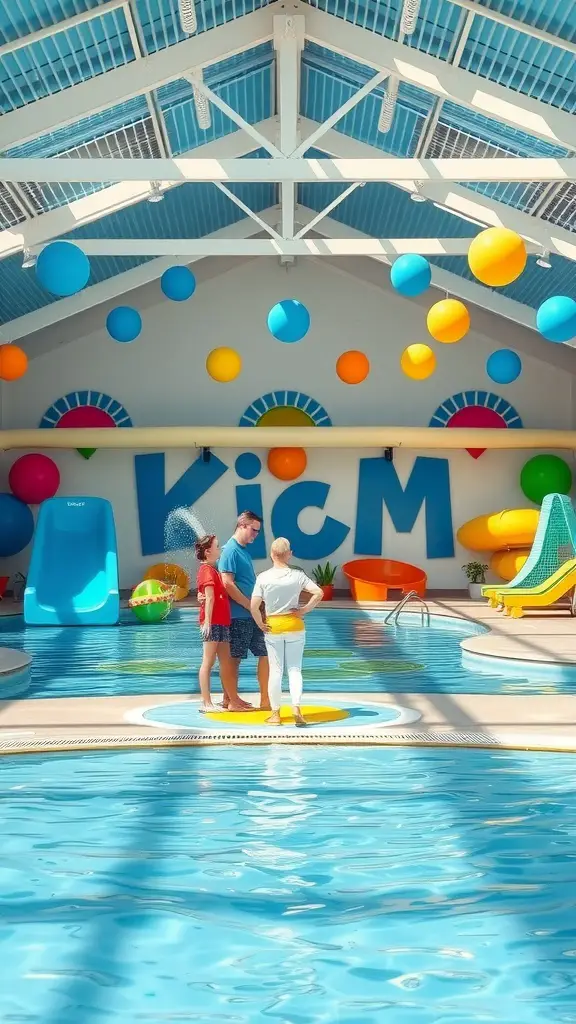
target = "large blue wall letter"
x: 155, y: 503
x: 249, y: 499
x: 287, y: 508
x: 378, y: 484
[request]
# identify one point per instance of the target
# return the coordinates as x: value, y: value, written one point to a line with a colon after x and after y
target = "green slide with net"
x: 554, y: 544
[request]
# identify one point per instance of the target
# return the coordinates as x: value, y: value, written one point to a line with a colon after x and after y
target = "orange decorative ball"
x: 13, y: 362
x: 287, y: 463
x: 353, y: 367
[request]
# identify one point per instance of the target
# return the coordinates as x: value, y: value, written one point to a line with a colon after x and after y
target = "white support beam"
x: 438, y: 77
x: 134, y: 79
x: 241, y: 206
x: 251, y: 130
x: 341, y: 112
x: 475, y: 8
x: 311, y: 224
x: 445, y: 281
x: 199, y: 248
x: 470, y: 204
x: 117, y: 286
x: 101, y: 204
x: 288, y: 44
x: 289, y: 169
x: 49, y: 31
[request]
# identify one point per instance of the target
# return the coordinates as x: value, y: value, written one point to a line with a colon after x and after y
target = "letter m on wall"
x: 428, y: 485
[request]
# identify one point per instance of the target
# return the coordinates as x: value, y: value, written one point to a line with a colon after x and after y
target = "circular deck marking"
x: 346, y: 716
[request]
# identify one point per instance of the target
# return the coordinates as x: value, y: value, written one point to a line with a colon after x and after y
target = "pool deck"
x: 546, y: 721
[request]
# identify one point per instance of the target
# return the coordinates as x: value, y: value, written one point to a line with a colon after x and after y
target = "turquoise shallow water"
x: 347, y: 651
x: 286, y: 884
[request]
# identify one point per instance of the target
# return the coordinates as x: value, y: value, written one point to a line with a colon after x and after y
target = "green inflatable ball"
x: 545, y: 474
x: 151, y: 601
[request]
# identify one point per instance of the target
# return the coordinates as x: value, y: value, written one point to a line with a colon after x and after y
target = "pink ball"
x: 34, y: 478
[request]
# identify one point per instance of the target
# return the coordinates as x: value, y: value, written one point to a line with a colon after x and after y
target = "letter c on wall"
x: 287, y: 508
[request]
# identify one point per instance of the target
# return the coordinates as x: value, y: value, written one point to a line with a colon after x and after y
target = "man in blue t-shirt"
x: 237, y: 571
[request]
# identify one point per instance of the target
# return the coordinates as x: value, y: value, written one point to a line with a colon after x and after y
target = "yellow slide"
x: 542, y: 596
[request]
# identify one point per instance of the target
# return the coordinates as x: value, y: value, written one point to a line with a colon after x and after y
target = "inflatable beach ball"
x: 448, y: 321
x: 16, y: 525
x: 418, y: 362
x: 34, y: 478
x: 62, y: 268
x: 411, y: 275
x: 497, y: 256
x: 556, y: 318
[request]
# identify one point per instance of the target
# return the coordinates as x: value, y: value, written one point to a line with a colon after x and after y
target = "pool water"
x: 347, y: 651
x: 290, y: 885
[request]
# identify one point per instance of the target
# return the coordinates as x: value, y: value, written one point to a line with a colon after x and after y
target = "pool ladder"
x: 392, y: 617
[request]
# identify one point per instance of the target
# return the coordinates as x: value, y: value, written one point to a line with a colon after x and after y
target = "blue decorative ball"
x: 556, y: 318
x: 124, y: 323
x: 247, y: 466
x: 16, y: 525
x: 62, y: 268
x: 504, y: 366
x: 178, y: 283
x: 289, y: 321
x: 411, y: 275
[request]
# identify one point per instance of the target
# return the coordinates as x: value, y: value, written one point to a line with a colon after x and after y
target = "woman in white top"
x: 279, y: 589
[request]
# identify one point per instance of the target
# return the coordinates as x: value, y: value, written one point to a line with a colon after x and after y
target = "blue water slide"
x: 73, y: 575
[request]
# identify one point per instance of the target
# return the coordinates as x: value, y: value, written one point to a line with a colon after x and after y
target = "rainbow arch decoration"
x: 476, y: 409
x: 285, y: 409
x: 85, y: 409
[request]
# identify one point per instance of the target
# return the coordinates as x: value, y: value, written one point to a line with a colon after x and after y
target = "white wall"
x: 161, y: 380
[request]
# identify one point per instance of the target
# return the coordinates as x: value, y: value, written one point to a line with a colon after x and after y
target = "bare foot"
x: 300, y: 721
x: 240, y: 708
x: 209, y: 707
x: 265, y: 707
x: 274, y: 719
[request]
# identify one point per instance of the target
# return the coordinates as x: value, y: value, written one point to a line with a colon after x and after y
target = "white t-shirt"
x: 280, y: 589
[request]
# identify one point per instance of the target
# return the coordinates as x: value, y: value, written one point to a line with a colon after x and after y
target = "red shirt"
x: 208, y: 576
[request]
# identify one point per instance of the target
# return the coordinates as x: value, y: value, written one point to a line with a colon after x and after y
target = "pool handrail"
x: 412, y: 595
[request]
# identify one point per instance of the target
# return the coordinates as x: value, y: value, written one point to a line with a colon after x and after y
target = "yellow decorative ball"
x: 418, y: 362
x: 497, y: 256
x: 448, y: 321
x: 223, y: 365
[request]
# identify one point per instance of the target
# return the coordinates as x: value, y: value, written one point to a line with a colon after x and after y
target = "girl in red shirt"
x: 214, y: 626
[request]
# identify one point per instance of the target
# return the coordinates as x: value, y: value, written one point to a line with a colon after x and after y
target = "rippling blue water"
x: 347, y: 651
x: 287, y: 884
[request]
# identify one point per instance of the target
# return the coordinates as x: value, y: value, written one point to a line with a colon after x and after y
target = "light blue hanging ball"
x: 289, y: 321
x: 556, y: 319
x: 411, y: 275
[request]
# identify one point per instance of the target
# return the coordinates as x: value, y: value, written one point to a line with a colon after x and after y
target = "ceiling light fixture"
x: 409, y: 17
x: 155, y: 192
x: 544, y: 260
x: 388, y: 108
x: 28, y: 259
x: 188, y: 19
x: 417, y: 196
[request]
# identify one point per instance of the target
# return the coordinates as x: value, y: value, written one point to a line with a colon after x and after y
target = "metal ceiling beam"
x: 288, y: 44
x: 288, y: 169
x: 49, y: 31
x: 466, y: 202
x: 199, y: 248
x: 438, y: 77
x: 517, y: 26
x: 58, y: 223
x: 141, y: 76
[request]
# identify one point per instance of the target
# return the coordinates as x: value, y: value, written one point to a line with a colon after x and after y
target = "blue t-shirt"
x: 236, y: 560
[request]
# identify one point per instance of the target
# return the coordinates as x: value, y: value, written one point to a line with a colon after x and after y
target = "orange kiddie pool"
x: 371, y: 578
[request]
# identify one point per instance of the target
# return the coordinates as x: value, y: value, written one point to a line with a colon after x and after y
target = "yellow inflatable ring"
x: 511, y: 528
x: 171, y: 576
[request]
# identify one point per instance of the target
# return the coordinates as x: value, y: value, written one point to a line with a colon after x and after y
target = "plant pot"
x: 475, y: 591
x: 328, y: 592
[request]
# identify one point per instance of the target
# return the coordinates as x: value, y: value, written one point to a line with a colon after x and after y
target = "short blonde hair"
x: 280, y: 547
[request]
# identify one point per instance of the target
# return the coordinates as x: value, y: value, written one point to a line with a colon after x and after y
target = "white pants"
x: 285, y: 649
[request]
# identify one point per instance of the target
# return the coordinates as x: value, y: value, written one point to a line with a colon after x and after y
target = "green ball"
x: 155, y: 611
x: 545, y: 474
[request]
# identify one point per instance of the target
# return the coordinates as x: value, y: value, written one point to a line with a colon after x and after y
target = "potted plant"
x: 475, y: 574
x: 324, y: 576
